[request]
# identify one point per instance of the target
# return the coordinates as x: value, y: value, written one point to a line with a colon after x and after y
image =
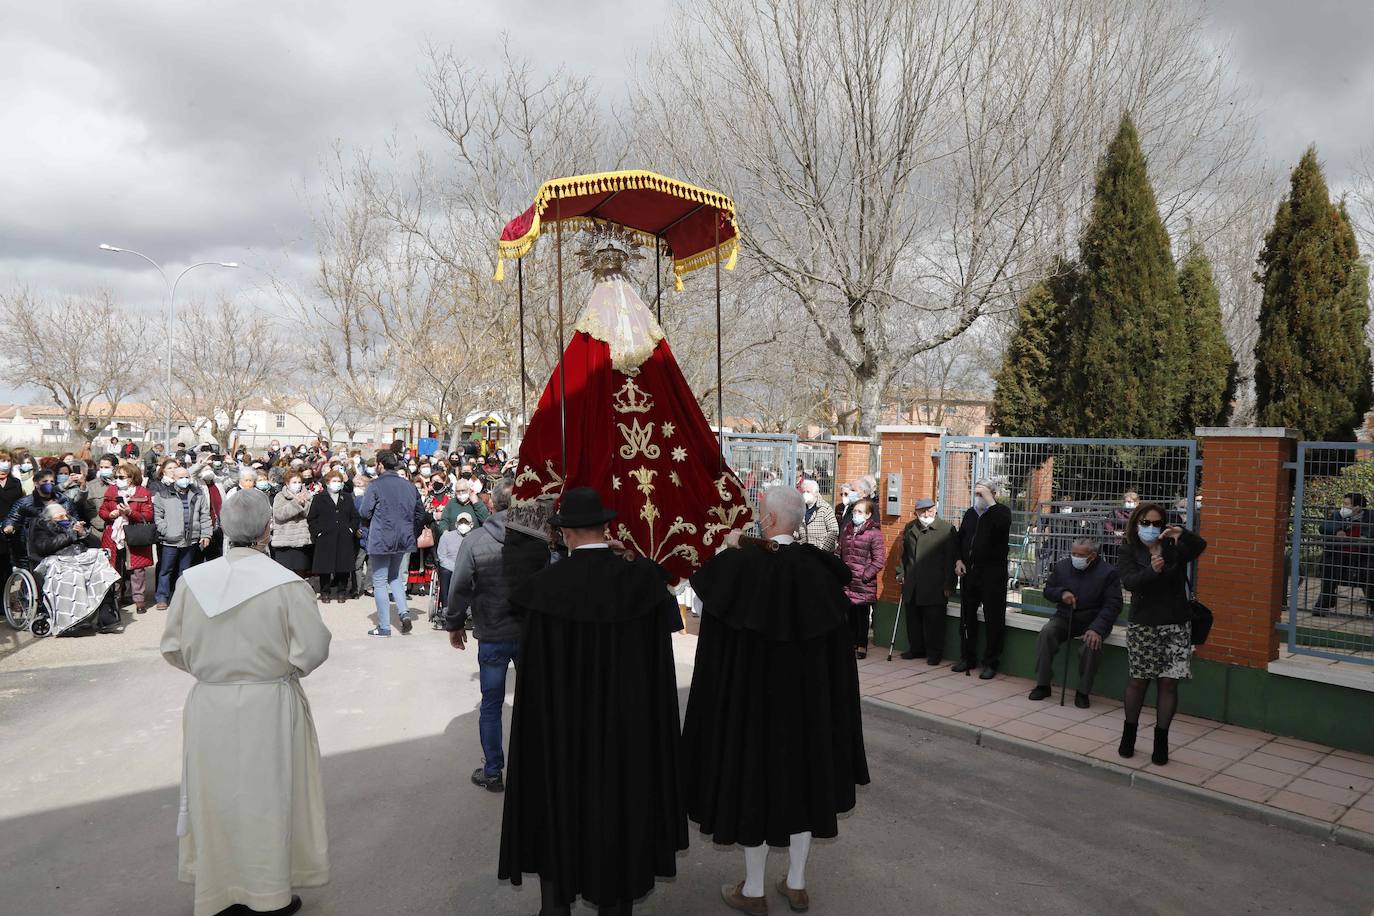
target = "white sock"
x: 754, y: 859
x: 797, y: 852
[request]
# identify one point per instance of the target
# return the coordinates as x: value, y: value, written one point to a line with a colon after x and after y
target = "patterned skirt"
x: 1162, y: 651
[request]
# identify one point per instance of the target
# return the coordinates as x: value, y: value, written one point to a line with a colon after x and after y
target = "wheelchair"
x: 23, y: 593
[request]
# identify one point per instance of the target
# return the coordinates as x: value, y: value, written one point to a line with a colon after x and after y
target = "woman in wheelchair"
x: 74, y: 578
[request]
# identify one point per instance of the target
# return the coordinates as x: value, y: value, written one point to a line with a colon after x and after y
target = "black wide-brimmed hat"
x: 581, y: 509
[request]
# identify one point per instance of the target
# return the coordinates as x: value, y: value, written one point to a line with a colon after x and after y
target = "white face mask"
x: 464, y: 528
x: 294, y: 486
x: 167, y: 480
x: 103, y: 473
x: 183, y: 482
x: 264, y: 484
x: 1129, y: 504
x: 926, y: 520
x: 26, y: 467
x: 1346, y: 512
x: 859, y: 518
x: 1080, y: 563
x: 809, y: 498
x: 336, y: 486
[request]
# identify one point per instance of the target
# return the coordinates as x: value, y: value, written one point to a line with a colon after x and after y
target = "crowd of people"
x: 155, y: 514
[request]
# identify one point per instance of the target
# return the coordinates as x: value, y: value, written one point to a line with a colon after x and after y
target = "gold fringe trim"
x: 606, y: 183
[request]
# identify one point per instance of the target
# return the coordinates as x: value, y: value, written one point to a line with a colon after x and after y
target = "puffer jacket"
x: 290, y: 527
x: 864, y: 551
x: 480, y: 586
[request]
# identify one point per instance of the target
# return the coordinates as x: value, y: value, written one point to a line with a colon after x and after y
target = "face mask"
x: 207, y: 474
x: 105, y: 473
x: 1129, y: 504
x: 64, y: 523
x: 926, y: 520
x: 858, y: 518
x: 1346, y: 512
x: 426, y: 472
x: 183, y: 482
x: 336, y: 486
x: 166, y: 480
x: 464, y: 528
x: 465, y: 496
x: 1147, y: 534
x: 126, y: 487
x: 4, y: 466
x: 46, y: 488
x: 412, y: 468
x: 1080, y: 562
x: 264, y: 484
x: 809, y: 498
x: 217, y: 464
x: 848, y: 499
x: 26, y: 467
x: 62, y: 479
x: 294, y: 486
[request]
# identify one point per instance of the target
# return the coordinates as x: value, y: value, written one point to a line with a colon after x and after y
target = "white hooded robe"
x: 252, y: 814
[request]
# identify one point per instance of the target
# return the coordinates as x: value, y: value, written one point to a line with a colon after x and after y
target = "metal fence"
x: 1331, y: 554
x: 818, y: 462
x: 761, y: 461
x: 1060, y: 489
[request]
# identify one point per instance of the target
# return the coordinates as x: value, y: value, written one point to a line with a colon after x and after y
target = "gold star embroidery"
x: 679, y: 454
x: 677, y: 481
x: 615, y: 483
x: 668, y: 430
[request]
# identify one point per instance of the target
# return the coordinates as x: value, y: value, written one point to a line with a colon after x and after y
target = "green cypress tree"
x: 1212, y: 377
x: 1028, y: 385
x: 1128, y: 357
x: 1312, y: 371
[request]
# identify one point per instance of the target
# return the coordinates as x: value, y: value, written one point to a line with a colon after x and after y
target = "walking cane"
x: 897, y: 620
x: 1068, y: 650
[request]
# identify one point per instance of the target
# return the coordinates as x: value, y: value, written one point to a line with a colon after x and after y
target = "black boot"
x: 1127, y: 748
x: 1161, y: 754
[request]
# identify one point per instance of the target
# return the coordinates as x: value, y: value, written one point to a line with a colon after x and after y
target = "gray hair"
x: 51, y: 510
x: 810, y: 486
x: 244, y: 517
x: 1092, y: 543
x: 785, y: 503
x: 990, y: 484
x: 500, y: 495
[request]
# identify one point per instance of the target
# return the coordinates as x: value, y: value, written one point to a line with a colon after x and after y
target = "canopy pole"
x: 520, y: 278
x: 562, y: 380
x: 720, y: 399
x: 658, y: 279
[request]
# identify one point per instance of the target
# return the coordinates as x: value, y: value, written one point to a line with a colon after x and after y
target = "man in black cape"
x: 593, y: 799
x: 773, y: 740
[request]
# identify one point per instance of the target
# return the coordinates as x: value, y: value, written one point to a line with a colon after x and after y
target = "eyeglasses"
x: 1145, y: 524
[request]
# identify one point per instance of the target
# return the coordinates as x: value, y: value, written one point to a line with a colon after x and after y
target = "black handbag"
x: 1199, y: 614
x: 140, y: 534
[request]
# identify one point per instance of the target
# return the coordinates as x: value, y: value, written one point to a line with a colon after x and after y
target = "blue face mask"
x: 1080, y: 563
x: 1148, y: 534
x: 65, y: 524
x: 46, y: 488
x: 63, y: 478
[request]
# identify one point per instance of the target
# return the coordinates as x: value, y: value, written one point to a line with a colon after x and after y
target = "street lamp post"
x: 171, y: 325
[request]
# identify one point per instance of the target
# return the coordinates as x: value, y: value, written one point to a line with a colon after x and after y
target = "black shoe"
x: 860, y: 653
x: 988, y: 673
x: 963, y: 666
x: 1080, y: 699
x: 405, y: 625
x: 909, y: 655
x: 1041, y: 692
x: 1127, y: 746
x: 490, y: 783
x: 1325, y: 603
x: 1161, y: 754
x: 934, y: 660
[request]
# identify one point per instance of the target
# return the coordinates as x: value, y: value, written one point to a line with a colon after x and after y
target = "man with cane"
x: 929, y: 548
x: 1087, y: 596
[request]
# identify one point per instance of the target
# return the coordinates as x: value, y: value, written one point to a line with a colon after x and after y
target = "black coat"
x: 927, y: 562
x: 773, y: 743
x: 984, y: 540
x: 334, y: 532
x: 1160, y: 597
x: 593, y: 800
x: 11, y: 491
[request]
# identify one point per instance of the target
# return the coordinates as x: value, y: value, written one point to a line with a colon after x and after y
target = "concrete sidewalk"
x: 1318, y: 790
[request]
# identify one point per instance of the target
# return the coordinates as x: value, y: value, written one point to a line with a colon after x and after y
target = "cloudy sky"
x: 194, y: 131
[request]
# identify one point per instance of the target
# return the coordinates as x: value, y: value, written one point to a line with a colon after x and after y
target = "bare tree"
x: 88, y: 372
x: 226, y: 360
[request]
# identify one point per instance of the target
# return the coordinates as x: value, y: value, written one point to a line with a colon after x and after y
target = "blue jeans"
x: 388, y: 576
x: 171, y: 563
x: 493, y: 659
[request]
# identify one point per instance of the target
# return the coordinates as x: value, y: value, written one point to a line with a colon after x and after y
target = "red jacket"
x: 140, y: 506
x: 864, y: 551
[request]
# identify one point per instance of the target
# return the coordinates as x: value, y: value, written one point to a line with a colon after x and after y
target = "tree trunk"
x: 871, y: 385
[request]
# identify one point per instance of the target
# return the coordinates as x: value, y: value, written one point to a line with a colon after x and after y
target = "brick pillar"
x: 909, y: 451
x: 851, y: 459
x: 1247, y: 496
x: 1039, y: 487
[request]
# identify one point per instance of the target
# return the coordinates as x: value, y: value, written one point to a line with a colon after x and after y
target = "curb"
x: 1029, y: 750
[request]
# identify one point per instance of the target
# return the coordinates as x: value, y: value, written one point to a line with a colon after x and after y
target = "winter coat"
x: 1159, y: 598
x: 139, y: 504
x: 95, y: 497
x: 394, y: 514
x: 47, y: 537
x: 476, y: 508
x: 927, y: 557
x: 10, y: 493
x: 333, y: 523
x: 27, y: 508
x: 1096, y: 590
x: 290, y: 527
x: 984, y: 540
x: 81, y: 508
x: 480, y: 585
x: 169, y: 516
x: 447, y: 550
x: 819, y: 528
x: 864, y: 551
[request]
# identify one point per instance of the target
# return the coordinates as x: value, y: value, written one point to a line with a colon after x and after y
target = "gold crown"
x: 632, y: 399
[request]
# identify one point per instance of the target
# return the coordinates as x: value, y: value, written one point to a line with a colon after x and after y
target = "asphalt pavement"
x: 90, y: 745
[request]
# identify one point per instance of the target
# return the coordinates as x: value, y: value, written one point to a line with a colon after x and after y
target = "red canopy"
x: 684, y: 217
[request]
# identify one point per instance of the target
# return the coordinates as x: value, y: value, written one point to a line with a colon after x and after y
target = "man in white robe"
x: 248, y: 629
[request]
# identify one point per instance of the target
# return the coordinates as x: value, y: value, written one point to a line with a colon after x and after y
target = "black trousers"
x: 1054, y: 634
x: 859, y: 618
x: 986, y: 588
x: 925, y: 629
x: 332, y: 584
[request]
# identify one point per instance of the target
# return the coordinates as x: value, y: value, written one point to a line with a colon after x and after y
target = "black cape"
x: 593, y: 799
x: 773, y: 739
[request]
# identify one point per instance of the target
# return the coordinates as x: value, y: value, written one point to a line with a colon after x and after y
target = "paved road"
x: 89, y: 751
